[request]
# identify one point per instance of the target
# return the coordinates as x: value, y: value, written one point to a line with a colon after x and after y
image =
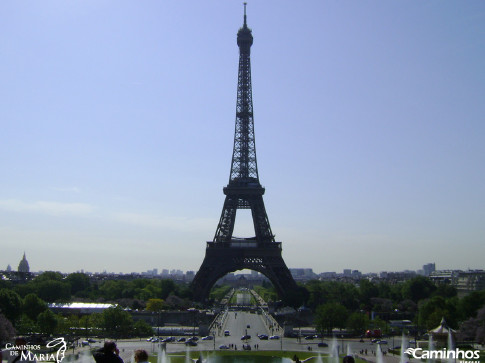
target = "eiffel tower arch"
x: 226, y: 253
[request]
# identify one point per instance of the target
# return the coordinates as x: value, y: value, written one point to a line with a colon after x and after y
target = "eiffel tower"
x: 225, y: 253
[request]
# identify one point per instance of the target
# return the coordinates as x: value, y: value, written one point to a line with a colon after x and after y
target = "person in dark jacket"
x: 108, y: 354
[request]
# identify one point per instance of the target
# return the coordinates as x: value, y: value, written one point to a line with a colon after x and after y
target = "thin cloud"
x: 166, y: 222
x: 67, y: 189
x: 45, y: 207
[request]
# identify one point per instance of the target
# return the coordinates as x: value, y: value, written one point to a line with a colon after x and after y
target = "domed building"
x: 24, y: 265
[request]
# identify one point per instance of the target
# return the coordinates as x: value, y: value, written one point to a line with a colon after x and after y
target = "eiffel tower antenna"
x: 245, y: 25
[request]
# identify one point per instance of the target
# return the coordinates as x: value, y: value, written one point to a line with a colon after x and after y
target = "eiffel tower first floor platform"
x: 222, y: 258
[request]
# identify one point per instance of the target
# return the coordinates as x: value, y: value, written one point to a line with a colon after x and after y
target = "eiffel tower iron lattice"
x: 226, y: 253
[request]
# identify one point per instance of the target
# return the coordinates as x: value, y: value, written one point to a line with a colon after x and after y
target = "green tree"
x: 469, y: 304
x: 117, y: 322
x: 47, y: 322
x: 49, y: 276
x: 297, y: 297
x: 10, y: 304
x: 113, y: 290
x: 167, y: 287
x: 142, y: 328
x: 219, y: 292
x: 79, y: 283
x: 7, y: 331
x: 367, y: 291
x: 155, y: 305
x: 357, y: 323
x: 26, y: 326
x: 53, y: 291
x: 418, y: 288
x: 432, y: 310
x: 445, y: 291
x: 321, y: 292
x: 329, y: 316
x: 32, y: 306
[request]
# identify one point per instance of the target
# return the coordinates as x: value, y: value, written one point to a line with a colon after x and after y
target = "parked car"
x: 246, y: 347
x: 168, y: 340
x: 193, y: 339
x: 209, y: 337
x: 246, y: 337
x: 223, y: 346
x: 309, y: 337
x: 227, y: 333
x: 181, y: 339
x: 263, y: 337
x: 273, y: 337
x: 322, y: 345
x: 382, y: 342
x: 191, y: 343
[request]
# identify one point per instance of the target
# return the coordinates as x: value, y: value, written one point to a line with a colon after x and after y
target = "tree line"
x: 335, y: 304
x: 24, y: 306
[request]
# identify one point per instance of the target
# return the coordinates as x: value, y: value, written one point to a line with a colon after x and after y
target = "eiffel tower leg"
x: 228, y: 218
x: 260, y: 220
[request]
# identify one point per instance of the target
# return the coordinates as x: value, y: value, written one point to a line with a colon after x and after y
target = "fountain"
x: 349, y: 351
x: 319, y: 359
x: 451, y: 346
x: 162, y: 355
x: 403, y: 348
x: 334, y: 350
x: 379, y: 355
x: 431, y: 346
x: 187, y: 356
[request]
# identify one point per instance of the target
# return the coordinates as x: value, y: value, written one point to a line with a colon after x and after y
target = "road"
x: 237, y: 323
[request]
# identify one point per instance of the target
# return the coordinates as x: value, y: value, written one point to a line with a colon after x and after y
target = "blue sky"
x: 117, y: 122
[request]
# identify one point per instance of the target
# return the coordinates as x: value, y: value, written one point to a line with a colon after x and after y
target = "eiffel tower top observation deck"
x: 244, y: 167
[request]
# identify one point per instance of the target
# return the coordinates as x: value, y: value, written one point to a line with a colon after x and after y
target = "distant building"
x: 469, y: 281
x: 347, y: 272
x: 444, y: 277
x: 302, y: 273
x: 328, y: 275
x: 356, y: 274
x: 79, y: 308
x: 428, y: 269
x: 24, y: 265
x: 9, y: 268
x: 189, y: 275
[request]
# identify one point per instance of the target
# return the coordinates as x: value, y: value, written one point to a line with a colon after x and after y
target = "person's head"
x: 349, y: 359
x: 141, y: 355
x: 109, y: 346
x: 20, y: 341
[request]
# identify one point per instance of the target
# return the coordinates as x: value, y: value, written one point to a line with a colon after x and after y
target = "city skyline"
x: 11, y: 267
x: 118, y: 122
